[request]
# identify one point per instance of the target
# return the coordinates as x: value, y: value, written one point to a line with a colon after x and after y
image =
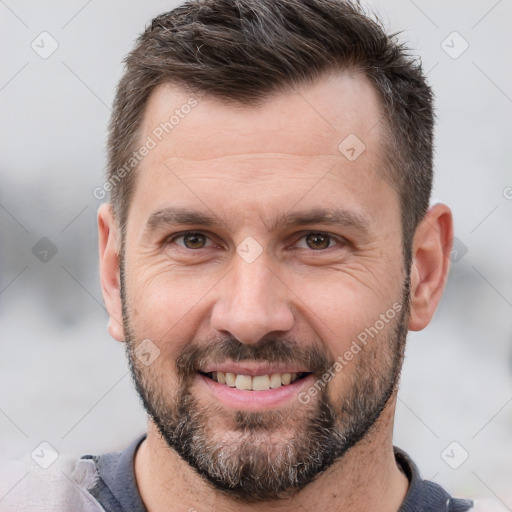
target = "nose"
x: 252, y: 302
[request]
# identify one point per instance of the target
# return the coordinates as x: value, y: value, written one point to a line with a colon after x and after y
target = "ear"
x: 432, y: 246
x: 109, y: 269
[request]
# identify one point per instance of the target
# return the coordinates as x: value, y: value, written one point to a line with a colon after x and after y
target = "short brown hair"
x: 242, y: 50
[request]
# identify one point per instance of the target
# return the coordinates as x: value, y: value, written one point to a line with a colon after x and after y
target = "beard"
x: 267, y: 455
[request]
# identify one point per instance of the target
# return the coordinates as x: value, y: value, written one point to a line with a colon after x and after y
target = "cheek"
x: 341, y: 304
x: 169, y: 306
x: 366, y: 357
x: 355, y: 324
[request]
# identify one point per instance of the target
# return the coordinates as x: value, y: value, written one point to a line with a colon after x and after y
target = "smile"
x: 256, y: 382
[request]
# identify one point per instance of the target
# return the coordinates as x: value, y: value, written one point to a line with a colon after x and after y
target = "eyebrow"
x: 334, y: 217
x: 174, y: 216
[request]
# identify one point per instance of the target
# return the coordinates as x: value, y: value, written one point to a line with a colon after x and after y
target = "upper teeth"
x: 256, y: 383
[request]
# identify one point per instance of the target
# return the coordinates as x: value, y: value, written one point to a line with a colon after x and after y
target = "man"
x: 267, y: 246
x: 266, y: 256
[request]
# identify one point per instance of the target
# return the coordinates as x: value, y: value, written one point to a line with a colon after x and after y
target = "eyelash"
x: 181, y: 234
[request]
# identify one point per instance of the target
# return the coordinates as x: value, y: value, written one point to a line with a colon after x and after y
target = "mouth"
x: 262, y: 382
x: 254, y: 385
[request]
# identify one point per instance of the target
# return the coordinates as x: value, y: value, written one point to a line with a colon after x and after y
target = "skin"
x: 247, y: 166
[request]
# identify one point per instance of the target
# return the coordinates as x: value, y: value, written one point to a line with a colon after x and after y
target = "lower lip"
x: 255, y: 400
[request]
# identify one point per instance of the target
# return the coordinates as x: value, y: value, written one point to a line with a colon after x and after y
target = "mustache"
x: 269, y: 350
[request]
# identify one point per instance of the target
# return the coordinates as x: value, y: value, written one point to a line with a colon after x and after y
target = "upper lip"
x: 252, y: 369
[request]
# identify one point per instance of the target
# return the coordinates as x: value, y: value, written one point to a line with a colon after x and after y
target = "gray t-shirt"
x: 116, y: 489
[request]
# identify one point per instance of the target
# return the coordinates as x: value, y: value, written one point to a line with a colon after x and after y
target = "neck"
x: 365, y: 478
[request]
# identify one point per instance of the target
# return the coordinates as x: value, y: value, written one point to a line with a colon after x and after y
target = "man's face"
x: 299, y: 265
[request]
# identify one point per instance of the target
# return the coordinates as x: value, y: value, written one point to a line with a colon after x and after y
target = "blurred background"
x: 65, y: 382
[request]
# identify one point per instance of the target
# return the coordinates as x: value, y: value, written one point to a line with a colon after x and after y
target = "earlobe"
x: 431, y: 261
x: 109, y: 270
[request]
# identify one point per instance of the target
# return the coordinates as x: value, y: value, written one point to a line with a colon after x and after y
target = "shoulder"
x: 25, y: 487
x: 426, y: 496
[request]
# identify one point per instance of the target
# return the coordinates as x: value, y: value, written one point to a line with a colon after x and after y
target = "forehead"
x: 306, y: 120
x: 328, y: 132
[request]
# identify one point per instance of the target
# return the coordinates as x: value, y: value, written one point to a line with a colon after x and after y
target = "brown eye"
x: 194, y: 240
x: 318, y: 241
